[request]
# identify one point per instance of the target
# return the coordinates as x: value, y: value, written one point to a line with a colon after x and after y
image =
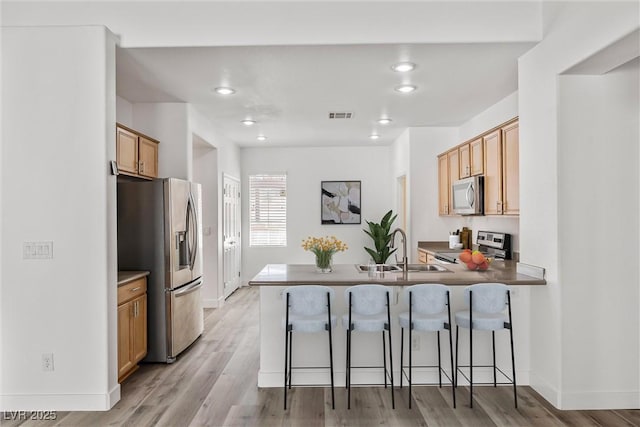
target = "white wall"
x: 215, y: 157
x: 305, y: 169
x: 598, y: 135
x: 58, y: 139
x: 168, y: 123
x: 576, y: 32
x: 124, y: 112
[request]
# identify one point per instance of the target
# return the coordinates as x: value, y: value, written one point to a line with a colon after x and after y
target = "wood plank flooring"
x: 214, y: 384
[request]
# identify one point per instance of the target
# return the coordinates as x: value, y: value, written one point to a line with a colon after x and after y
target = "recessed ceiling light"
x: 261, y: 138
x: 403, y: 67
x: 384, y: 121
x: 374, y: 136
x: 224, y: 91
x: 405, y: 88
x: 248, y: 122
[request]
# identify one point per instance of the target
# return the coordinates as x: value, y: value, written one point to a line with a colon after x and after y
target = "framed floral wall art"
x: 340, y: 202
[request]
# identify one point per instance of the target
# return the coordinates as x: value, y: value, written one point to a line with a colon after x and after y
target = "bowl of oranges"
x: 474, y: 260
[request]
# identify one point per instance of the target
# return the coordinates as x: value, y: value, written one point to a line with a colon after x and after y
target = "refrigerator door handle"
x: 191, y: 209
x: 188, y: 289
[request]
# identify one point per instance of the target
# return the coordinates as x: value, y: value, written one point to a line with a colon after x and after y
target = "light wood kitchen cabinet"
x: 443, y: 185
x: 136, y: 154
x: 132, y: 326
x: 501, y: 171
x: 494, y: 154
x: 492, y: 173
x: 511, y: 169
x: 471, y: 158
x: 448, y: 172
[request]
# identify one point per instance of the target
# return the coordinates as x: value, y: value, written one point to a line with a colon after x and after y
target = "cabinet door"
x: 443, y: 185
x: 454, y: 175
x: 126, y: 151
x: 125, y: 350
x: 492, y: 173
x: 465, y: 161
x: 510, y: 170
x: 139, y: 321
x: 476, y: 154
x: 148, y: 158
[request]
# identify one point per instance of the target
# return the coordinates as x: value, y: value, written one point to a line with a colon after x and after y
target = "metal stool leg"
x: 455, y: 379
x: 471, y: 349
x: 401, y: 354
x: 290, y: 355
x: 333, y: 396
x: 448, y: 326
x: 513, y: 360
x: 439, y: 361
x: 286, y: 352
x: 384, y: 360
x: 493, y: 344
x: 393, y: 400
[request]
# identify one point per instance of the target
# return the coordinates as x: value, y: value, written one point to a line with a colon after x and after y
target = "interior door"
x: 231, y: 235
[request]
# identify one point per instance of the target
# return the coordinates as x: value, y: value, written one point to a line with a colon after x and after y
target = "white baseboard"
x: 60, y: 402
x: 601, y: 400
x: 114, y: 395
x: 546, y: 390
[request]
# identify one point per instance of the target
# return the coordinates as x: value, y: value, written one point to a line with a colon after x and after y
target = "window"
x: 268, y: 210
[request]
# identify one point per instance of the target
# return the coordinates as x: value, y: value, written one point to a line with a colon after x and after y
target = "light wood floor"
x: 214, y: 384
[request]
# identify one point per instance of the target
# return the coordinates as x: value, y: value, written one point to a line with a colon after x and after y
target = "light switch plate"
x: 37, y: 250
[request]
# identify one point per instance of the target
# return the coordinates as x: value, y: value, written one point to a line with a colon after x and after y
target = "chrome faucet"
x: 405, y: 260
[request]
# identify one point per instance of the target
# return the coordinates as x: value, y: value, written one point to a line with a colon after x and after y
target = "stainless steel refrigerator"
x: 159, y: 230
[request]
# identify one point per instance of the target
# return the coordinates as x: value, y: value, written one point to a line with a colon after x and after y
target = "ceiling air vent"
x: 336, y: 115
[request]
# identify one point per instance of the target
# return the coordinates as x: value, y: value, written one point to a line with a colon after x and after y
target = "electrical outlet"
x: 415, y: 343
x: 47, y: 362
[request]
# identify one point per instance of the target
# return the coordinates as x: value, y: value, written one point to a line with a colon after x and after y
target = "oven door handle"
x: 188, y: 289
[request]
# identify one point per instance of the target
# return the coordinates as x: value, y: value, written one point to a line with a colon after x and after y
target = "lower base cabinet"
x: 132, y: 326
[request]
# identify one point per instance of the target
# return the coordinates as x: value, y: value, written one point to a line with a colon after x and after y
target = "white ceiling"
x: 290, y: 90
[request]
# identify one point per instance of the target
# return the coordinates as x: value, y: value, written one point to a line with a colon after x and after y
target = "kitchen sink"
x: 425, y: 267
x: 411, y: 268
x: 363, y: 268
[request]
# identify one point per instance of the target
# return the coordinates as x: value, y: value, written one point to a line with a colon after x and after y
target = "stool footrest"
x: 510, y: 380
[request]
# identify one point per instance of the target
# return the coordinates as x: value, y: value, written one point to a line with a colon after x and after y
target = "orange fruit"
x: 465, y: 256
x: 477, y: 257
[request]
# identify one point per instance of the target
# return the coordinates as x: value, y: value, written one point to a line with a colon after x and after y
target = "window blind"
x: 268, y: 210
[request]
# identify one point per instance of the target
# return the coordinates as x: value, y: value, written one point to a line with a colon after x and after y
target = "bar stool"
x: 429, y: 311
x: 367, y: 314
x: 308, y: 309
x: 488, y: 302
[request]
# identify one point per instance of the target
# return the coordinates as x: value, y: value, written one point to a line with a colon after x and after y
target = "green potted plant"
x: 381, y: 235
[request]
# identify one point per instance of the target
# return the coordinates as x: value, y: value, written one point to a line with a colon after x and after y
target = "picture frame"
x: 341, y: 202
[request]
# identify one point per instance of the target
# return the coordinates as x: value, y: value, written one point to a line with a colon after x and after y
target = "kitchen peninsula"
x: 273, y: 278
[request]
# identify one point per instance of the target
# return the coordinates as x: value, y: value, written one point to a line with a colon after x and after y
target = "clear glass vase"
x: 324, y: 262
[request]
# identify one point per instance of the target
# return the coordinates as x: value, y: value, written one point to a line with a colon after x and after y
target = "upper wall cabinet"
x: 136, y: 154
x: 501, y: 171
x: 448, y: 173
x: 511, y: 169
x: 471, y: 158
x: 495, y: 155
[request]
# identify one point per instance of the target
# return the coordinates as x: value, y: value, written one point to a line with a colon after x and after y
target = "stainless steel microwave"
x: 468, y: 196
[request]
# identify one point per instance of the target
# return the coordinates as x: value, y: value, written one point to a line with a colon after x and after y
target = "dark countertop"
x: 347, y: 275
x: 125, y: 277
